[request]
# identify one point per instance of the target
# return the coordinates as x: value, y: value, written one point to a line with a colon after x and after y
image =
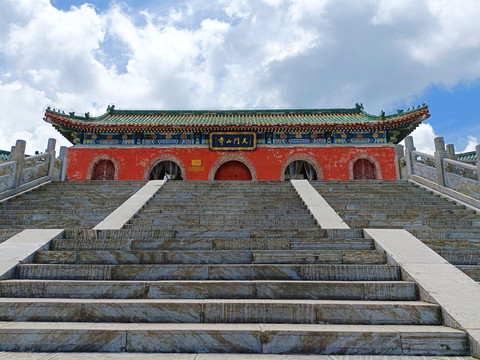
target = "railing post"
x: 451, y: 152
x: 409, y: 148
x: 63, y: 158
x: 51, y: 152
x: 18, y: 155
x: 440, y: 154
x: 398, y: 158
x: 477, y: 149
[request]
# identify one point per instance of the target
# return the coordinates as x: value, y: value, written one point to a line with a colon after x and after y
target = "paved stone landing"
x: 438, y: 280
x: 117, y: 219
x: 326, y: 217
x: 22, y: 246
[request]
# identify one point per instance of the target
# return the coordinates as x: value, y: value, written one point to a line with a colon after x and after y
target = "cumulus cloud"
x: 423, y: 137
x: 236, y: 53
x: 472, y: 143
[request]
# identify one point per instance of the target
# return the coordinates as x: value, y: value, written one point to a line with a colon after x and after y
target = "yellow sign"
x: 197, y: 162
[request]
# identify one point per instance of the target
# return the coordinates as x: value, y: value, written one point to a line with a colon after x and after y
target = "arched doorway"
x: 103, y: 170
x: 364, y: 169
x: 300, y: 169
x: 158, y: 171
x: 233, y: 170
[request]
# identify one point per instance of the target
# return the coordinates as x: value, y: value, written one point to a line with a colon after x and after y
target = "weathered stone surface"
x: 257, y: 277
x: 185, y: 338
x: 21, y: 336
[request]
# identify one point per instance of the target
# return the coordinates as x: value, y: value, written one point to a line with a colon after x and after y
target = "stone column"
x: 63, y: 158
x: 451, y: 152
x: 440, y: 154
x: 408, y: 154
x: 18, y: 155
x: 398, y: 158
x: 51, y: 151
x: 477, y: 149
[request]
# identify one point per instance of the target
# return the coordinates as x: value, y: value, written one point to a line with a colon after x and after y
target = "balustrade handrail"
x: 455, y: 178
x: 7, y: 164
x: 460, y: 164
x: 416, y: 153
x: 22, y: 173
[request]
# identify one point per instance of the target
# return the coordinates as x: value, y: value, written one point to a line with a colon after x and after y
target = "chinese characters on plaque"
x: 233, y: 141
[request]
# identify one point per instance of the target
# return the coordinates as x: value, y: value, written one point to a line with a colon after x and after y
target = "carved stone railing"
x: 22, y: 173
x: 424, y: 165
x: 440, y: 169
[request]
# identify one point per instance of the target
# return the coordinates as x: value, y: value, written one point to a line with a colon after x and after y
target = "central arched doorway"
x: 233, y: 170
x: 165, y: 167
x: 300, y: 169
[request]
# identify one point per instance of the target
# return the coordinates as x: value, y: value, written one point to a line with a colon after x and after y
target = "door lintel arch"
x: 232, y: 157
x: 164, y: 157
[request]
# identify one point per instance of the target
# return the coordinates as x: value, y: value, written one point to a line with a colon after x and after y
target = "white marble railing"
x: 441, y: 168
x: 22, y: 173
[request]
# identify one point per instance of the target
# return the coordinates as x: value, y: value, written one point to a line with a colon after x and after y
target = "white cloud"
x: 25, y: 105
x: 423, y: 137
x: 241, y: 53
x: 472, y: 143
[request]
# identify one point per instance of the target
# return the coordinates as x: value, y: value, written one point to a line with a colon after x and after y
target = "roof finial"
x: 110, y: 108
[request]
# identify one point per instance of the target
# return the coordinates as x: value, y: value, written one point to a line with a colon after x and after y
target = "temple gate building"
x: 320, y: 144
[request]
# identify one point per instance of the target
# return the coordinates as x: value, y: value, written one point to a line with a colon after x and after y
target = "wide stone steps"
x: 471, y: 270
x: 207, y: 224
x: 58, y: 205
x: 219, y: 211
x: 395, y: 211
x: 211, y: 289
x: 221, y: 267
x: 459, y: 257
x: 195, y: 356
x: 334, y: 272
x: 238, y: 216
x: 170, y: 243
x: 472, y: 234
x: 408, y: 223
x: 211, y: 257
x: 450, y: 229
x: 233, y: 338
x: 221, y: 311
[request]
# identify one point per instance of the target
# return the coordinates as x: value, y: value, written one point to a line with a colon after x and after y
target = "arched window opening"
x: 103, y: 170
x: 166, y: 167
x: 363, y: 169
x: 300, y: 169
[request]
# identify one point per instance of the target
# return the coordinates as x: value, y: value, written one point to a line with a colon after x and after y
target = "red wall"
x: 135, y: 163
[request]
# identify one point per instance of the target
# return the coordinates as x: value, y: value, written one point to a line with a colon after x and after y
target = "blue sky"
x: 219, y: 54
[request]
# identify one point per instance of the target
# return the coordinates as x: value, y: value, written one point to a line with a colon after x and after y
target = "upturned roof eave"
x: 98, y: 126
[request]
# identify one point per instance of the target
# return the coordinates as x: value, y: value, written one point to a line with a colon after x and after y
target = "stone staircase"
x: 63, y: 205
x: 212, y: 267
x: 450, y: 229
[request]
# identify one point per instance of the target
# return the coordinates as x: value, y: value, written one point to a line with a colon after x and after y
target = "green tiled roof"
x: 470, y: 156
x: 143, y: 119
x: 4, y: 155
